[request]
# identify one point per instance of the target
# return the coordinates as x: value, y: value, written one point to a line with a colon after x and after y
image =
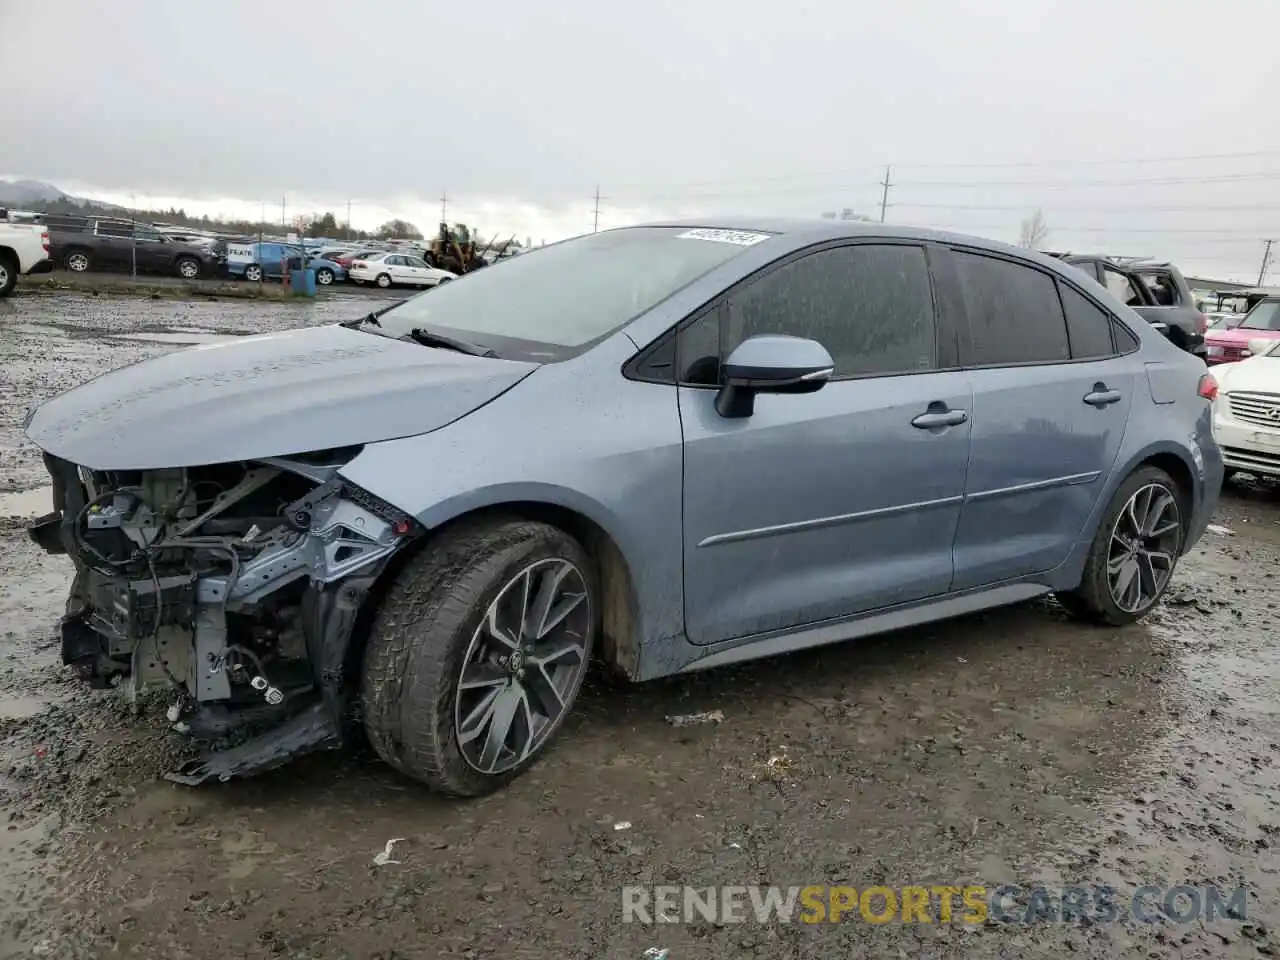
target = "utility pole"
x: 444, y: 207
x: 1266, y: 258
x: 348, y: 220
x: 595, y: 222
x: 283, y: 223
x: 884, y: 197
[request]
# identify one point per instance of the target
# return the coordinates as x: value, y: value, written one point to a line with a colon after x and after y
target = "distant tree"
x: 1034, y: 230
x: 399, y: 229
x: 322, y: 226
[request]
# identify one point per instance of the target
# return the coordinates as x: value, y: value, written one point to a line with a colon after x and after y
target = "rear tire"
x: 384, y: 280
x: 78, y: 261
x: 1134, y: 552
x: 324, y: 276
x: 442, y: 620
x: 8, y: 274
x: 253, y: 272
x: 188, y: 268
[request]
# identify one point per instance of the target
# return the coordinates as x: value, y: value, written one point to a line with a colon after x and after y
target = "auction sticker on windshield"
x: 741, y: 237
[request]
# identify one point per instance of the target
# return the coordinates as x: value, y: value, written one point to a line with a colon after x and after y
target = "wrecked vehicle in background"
x: 772, y: 436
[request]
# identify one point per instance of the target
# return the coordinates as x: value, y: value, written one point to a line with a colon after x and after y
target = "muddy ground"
x: 1008, y: 747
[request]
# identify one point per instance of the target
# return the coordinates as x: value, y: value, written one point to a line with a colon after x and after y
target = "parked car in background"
x: 1231, y: 343
x: 1157, y: 292
x: 24, y: 249
x: 348, y: 257
x: 668, y: 447
x: 397, y: 269
x: 98, y: 243
x: 1246, y: 412
x: 270, y: 259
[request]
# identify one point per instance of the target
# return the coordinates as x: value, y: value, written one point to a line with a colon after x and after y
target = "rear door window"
x: 1014, y: 313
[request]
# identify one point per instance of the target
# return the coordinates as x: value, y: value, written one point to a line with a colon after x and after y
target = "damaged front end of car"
x: 237, y: 585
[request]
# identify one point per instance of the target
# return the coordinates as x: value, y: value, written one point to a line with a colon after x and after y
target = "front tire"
x: 253, y: 273
x: 477, y: 653
x: 1134, y: 552
x: 188, y: 268
x: 384, y: 280
x: 8, y: 274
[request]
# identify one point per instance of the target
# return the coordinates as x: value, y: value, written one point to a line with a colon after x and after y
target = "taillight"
x: 359, y: 263
x: 44, y: 240
x: 1208, y: 387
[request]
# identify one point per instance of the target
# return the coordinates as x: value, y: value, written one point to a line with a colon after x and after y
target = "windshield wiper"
x: 369, y: 318
x: 429, y: 339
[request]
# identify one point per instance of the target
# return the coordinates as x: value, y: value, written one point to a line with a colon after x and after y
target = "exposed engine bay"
x: 235, y: 586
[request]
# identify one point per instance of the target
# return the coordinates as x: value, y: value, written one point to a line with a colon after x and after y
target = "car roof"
x: 802, y: 232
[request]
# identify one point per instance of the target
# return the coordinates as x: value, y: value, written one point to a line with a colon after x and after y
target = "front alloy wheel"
x: 477, y: 652
x: 525, y: 661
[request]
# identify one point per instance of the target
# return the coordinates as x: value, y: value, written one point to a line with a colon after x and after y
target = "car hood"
x: 1239, y: 335
x: 1255, y: 375
x: 265, y: 396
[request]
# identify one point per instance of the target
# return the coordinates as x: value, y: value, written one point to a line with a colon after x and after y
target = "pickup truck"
x: 91, y: 243
x: 24, y: 249
x: 1156, y: 291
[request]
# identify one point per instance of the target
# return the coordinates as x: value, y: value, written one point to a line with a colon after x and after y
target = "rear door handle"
x: 1101, y: 396
x: 941, y: 418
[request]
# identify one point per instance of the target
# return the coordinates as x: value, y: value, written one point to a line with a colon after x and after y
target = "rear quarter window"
x: 1088, y: 325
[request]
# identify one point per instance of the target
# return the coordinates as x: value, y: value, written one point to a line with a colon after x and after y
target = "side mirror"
x: 771, y: 363
x: 1259, y: 346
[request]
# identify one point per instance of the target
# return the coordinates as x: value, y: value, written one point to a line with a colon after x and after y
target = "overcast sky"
x: 519, y: 109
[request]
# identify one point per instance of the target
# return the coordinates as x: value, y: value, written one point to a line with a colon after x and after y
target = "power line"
x: 1089, y: 163
x: 1013, y: 165
x: 1148, y: 208
x: 1227, y: 178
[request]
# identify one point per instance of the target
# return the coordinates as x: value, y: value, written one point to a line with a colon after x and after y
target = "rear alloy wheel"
x: 384, y: 280
x: 78, y: 261
x: 477, y: 654
x: 324, y: 276
x: 1134, y: 552
x: 188, y: 269
x: 253, y: 272
x: 8, y: 275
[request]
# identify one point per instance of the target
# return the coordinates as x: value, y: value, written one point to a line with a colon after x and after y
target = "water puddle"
x: 27, y: 503
x: 17, y: 707
x: 177, y: 337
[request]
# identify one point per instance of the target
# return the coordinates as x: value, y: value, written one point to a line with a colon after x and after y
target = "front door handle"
x: 1101, y: 396
x: 940, y: 418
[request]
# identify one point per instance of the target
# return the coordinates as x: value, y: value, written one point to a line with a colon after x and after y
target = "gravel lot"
x: 1008, y: 747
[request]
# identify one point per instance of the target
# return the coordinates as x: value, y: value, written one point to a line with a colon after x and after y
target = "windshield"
x: 554, y: 302
x: 1265, y: 316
